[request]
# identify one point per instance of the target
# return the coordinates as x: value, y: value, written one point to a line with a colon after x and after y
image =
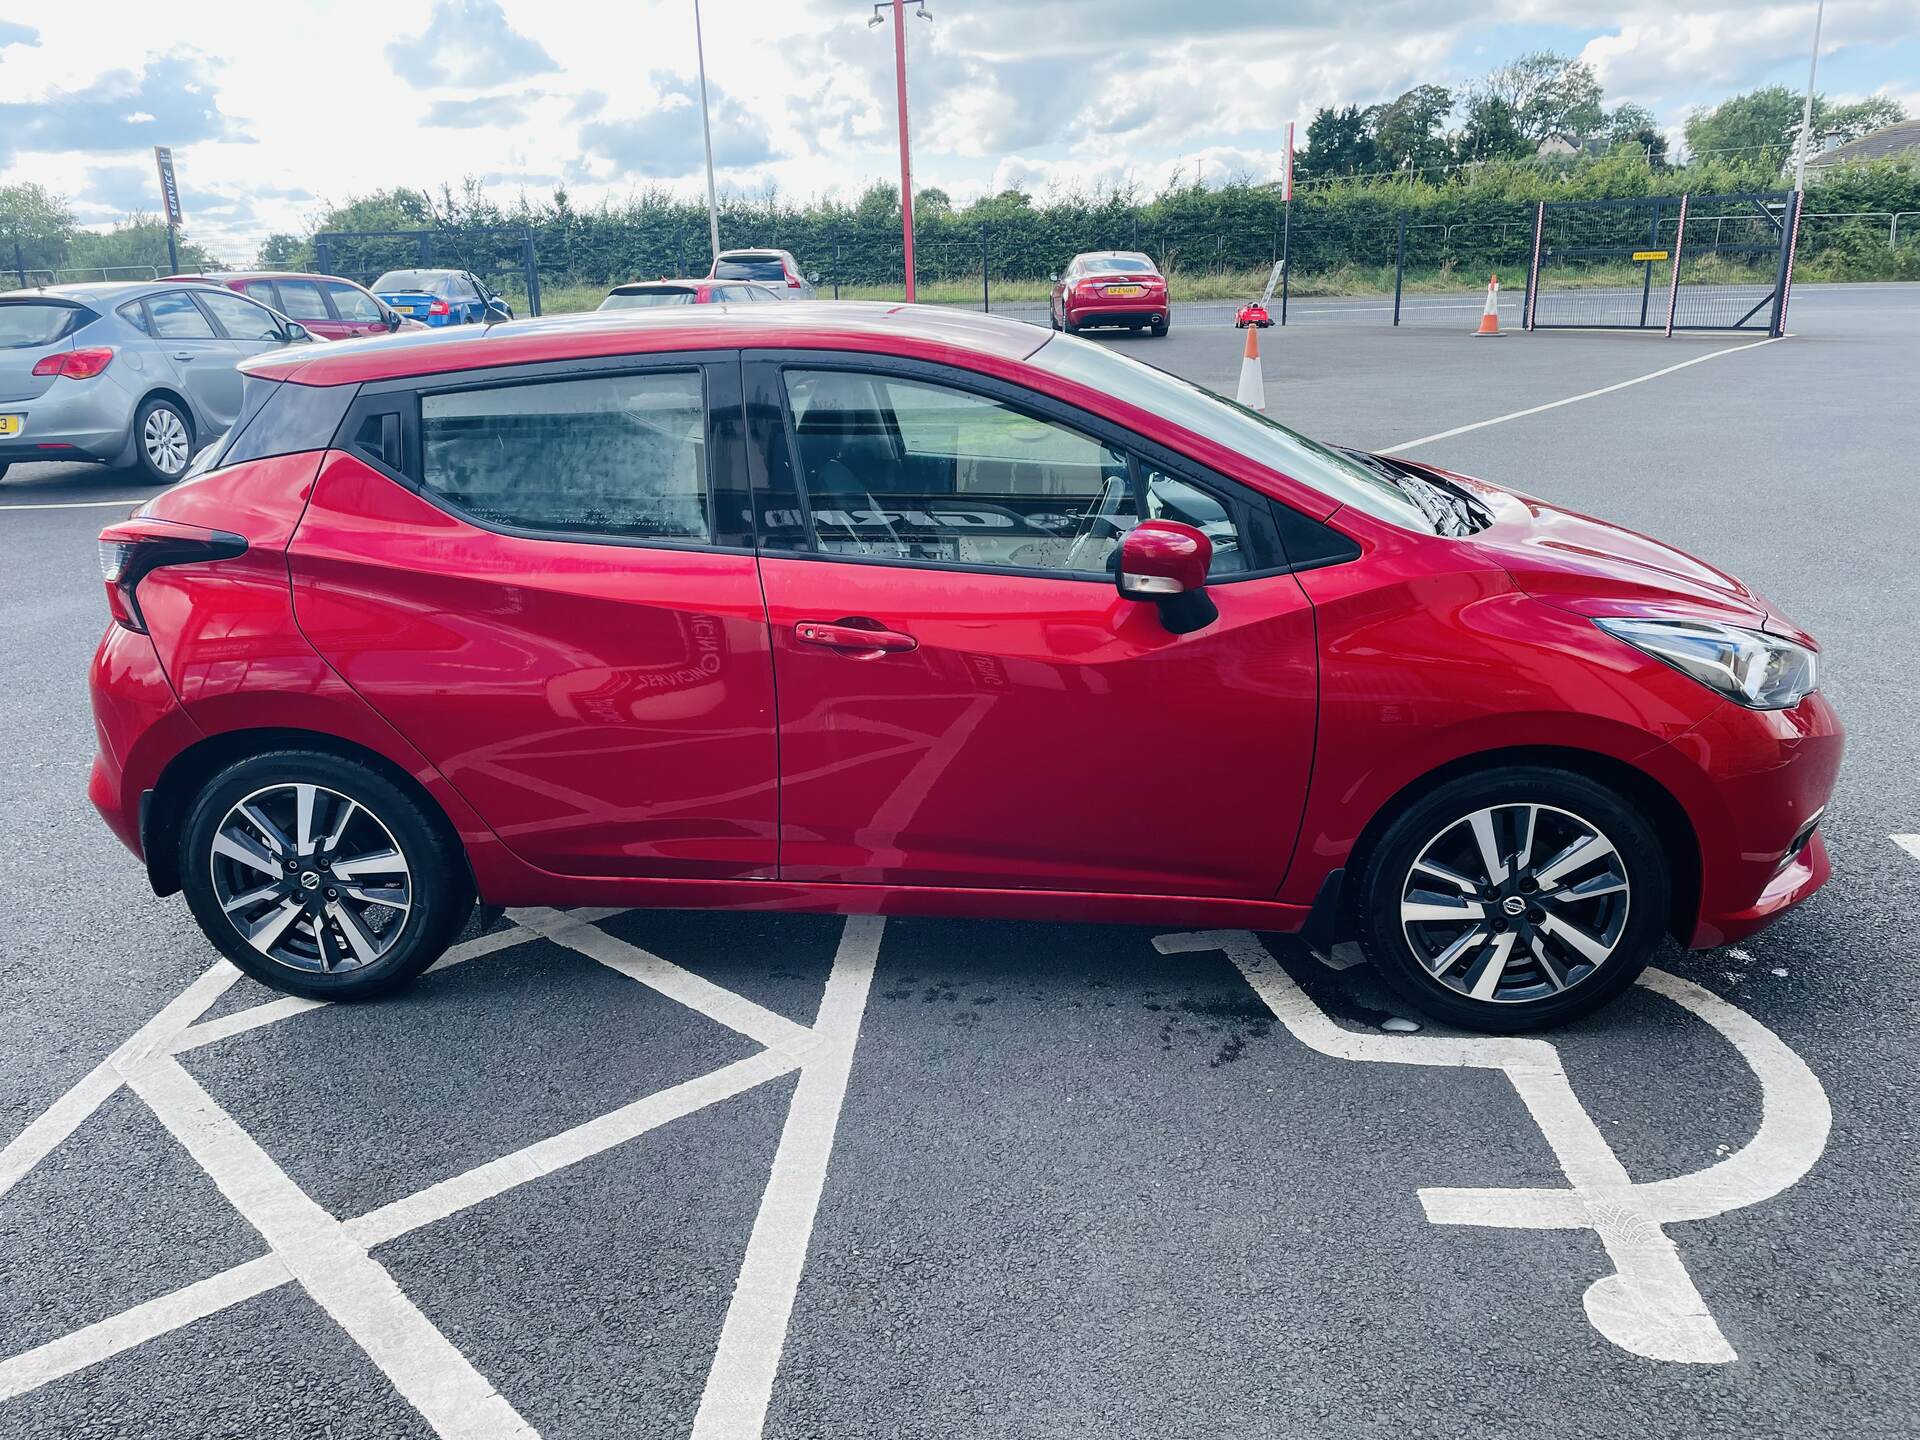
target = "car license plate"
x: 1126, y: 290
x: 10, y: 424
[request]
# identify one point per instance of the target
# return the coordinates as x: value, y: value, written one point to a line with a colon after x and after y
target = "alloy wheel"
x: 1515, y: 903
x: 164, y: 438
x: 311, y: 878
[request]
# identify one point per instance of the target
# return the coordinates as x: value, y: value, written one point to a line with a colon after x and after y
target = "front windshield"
x: 1218, y: 419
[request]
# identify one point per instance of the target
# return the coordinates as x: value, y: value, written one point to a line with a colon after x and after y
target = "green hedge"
x: 1472, y: 225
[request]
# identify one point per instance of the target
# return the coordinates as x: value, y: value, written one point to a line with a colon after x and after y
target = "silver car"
x: 776, y: 269
x: 137, y: 374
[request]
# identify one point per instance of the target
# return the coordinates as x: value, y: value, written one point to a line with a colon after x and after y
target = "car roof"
x: 927, y: 331
x: 101, y: 292
x: 224, y: 277
x: 677, y: 280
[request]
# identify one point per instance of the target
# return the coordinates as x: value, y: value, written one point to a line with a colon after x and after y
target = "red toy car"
x: 327, y: 305
x: 1252, y: 313
x: 910, y: 611
x: 1110, y: 287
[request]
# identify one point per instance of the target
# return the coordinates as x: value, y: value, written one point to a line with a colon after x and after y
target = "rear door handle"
x: 854, y: 636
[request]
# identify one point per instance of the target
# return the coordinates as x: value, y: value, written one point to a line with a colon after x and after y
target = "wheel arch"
x: 1679, y: 841
x: 164, y: 809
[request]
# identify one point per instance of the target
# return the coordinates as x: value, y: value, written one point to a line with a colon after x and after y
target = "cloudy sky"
x: 272, y: 110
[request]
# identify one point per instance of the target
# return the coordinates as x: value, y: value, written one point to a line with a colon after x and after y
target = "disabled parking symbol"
x: 1649, y: 1305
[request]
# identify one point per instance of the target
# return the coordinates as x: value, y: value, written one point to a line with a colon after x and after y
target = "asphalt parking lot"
x: 663, y: 1174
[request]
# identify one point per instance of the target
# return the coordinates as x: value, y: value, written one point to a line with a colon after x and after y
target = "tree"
x: 1338, y: 143
x: 1407, y: 131
x: 1762, y: 127
x: 1631, y: 124
x: 1490, y: 132
x: 1547, y: 94
x: 39, y: 222
x: 932, y: 201
x: 135, y: 243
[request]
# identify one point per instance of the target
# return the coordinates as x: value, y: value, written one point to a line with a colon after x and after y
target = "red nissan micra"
x: 885, y: 609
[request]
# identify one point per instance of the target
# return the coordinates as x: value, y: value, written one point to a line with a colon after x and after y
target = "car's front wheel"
x: 1513, y: 899
x: 318, y: 875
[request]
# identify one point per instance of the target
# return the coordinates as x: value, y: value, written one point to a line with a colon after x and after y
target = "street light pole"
x: 906, y: 162
x: 1806, y: 108
x: 706, y: 130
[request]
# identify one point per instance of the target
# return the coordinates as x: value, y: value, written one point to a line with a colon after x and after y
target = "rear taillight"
x: 76, y: 364
x: 134, y: 549
x: 437, y: 307
x: 793, y: 283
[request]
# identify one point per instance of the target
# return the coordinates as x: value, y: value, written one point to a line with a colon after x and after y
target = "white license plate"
x: 10, y: 424
x: 1126, y: 290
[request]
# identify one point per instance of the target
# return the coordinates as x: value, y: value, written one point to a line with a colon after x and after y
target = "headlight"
x: 1749, y: 667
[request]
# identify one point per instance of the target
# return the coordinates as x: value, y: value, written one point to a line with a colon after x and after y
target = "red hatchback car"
x: 1111, y: 287
x: 327, y: 305
x: 901, y: 610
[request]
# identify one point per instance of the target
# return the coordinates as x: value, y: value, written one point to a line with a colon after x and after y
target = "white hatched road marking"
x: 329, y: 1258
x: 1908, y: 843
x: 1649, y: 1306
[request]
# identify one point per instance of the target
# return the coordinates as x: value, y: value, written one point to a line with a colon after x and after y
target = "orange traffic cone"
x: 1490, y: 317
x: 1253, y: 385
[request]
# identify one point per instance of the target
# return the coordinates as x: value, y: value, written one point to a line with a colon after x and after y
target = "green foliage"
x: 1408, y: 132
x: 1490, y: 132
x: 1547, y: 94
x: 1762, y: 127
x: 1339, y: 142
x: 36, y: 220
x: 134, y: 245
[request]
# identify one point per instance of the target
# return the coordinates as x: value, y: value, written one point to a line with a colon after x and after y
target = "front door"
x: 965, y: 700
x: 531, y: 578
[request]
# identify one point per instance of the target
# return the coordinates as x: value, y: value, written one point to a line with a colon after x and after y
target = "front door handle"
x: 857, y: 636
x: 183, y: 354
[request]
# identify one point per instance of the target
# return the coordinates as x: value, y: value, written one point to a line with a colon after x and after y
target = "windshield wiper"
x: 1450, y: 513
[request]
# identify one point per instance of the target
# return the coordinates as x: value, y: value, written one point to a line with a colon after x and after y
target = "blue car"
x: 441, y: 297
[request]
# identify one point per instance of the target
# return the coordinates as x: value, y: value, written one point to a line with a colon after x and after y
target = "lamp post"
x: 706, y: 131
x: 906, y: 163
x: 1806, y: 108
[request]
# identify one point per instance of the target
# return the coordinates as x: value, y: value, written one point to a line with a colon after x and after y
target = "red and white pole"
x: 906, y: 162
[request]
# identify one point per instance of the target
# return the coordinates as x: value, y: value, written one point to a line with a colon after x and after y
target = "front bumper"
x: 1755, y: 785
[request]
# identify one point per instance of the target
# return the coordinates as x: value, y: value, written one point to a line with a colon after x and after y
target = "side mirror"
x: 391, y: 319
x: 298, y: 334
x: 499, y: 308
x: 814, y: 278
x: 1054, y: 278
x: 1166, y: 562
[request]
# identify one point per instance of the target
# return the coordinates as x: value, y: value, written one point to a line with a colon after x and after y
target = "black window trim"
x: 718, y: 371
x: 771, y: 365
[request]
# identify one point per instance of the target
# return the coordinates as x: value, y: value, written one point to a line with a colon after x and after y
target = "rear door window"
x: 622, y: 456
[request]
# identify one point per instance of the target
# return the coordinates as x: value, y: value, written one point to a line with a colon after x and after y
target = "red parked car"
x: 1110, y: 287
x: 904, y: 610
x: 327, y: 305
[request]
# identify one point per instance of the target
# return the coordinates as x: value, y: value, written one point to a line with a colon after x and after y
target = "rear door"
x: 965, y: 700
x: 540, y: 577
x: 302, y: 300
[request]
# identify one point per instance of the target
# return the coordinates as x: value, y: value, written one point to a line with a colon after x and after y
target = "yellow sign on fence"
x: 1650, y: 254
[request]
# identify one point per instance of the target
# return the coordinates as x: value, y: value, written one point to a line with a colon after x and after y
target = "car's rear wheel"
x: 318, y: 875
x: 1513, y: 899
x: 162, y: 440
x: 1160, y: 325
x: 1066, y: 322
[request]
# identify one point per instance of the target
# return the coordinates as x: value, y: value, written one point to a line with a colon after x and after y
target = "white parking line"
x: 330, y: 1259
x: 1575, y: 399
x: 1908, y: 843
x: 739, y: 1385
x: 1649, y: 1305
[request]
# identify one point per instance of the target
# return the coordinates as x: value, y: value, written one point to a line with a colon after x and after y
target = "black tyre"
x: 1160, y: 327
x: 162, y: 440
x: 319, y: 876
x: 1053, y: 315
x: 1066, y: 323
x: 1513, y: 899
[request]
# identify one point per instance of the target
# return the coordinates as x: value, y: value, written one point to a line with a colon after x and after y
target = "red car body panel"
x: 899, y: 768
x: 644, y: 725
